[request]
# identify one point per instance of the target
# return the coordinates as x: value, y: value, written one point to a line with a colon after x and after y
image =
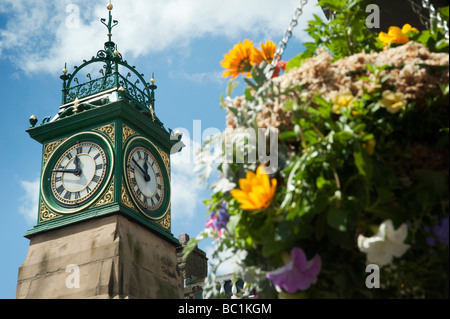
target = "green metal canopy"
x: 117, y: 80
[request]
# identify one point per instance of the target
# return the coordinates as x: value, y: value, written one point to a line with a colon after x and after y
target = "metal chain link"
x: 417, y: 9
x: 434, y: 15
x: 288, y: 34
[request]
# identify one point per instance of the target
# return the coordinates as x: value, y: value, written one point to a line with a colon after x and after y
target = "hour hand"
x: 73, y: 171
x: 146, y: 176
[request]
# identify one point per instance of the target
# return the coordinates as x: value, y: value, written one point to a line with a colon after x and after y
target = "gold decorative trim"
x: 50, y: 148
x: 109, y: 130
x: 108, y: 197
x: 126, y: 200
x: 126, y: 133
x: 165, y: 221
x: 45, y: 214
x: 165, y: 158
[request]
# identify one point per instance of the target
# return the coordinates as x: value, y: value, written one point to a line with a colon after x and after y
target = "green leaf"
x: 287, y: 135
x: 363, y: 162
x: 232, y: 224
x: 337, y: 218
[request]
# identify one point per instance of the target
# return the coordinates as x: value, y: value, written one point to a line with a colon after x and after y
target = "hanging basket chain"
x: 288, y: 34
x: 433, y: 15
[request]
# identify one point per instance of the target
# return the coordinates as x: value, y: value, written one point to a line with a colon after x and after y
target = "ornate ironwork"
x: 141, y: 93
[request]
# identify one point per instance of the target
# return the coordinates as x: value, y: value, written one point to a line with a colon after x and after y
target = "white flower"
x: 385, y: 244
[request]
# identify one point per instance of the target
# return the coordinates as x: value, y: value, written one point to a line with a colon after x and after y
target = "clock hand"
x: 146, y: 176
x: 73, y: 171
x: 77, y: 165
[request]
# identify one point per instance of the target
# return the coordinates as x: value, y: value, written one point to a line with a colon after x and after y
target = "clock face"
x: 144, y: 178
x: 78, y: 173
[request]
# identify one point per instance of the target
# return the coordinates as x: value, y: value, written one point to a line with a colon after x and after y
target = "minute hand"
x: 73, y: 171
x: 146, y: 176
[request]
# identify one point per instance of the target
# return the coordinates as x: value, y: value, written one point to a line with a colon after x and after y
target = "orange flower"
x: 266, y: 54
x: 256, y: 190
x: 237, y: 60
x: 396, y: 35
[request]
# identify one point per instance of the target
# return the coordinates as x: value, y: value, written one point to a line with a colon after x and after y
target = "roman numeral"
x: 90, y: 149
x: 146, y: 156
x: 88, y: 190
x: 68, y: 195
x: 96, y: 178
x: 58, y: 179
x: 60, y: 189
x: 77, y: 195
x: 144, y: 199
x: 99, y: 166
x: 96, y: 156
x: 139, y: 154
x: 80, y: 150
x: 138, y: 192
x: 133, y: 180
x: 153, y: 203
x: 69, y: 156
x: 157, y: 197
x: 159, y: 186
x: 157, y: 174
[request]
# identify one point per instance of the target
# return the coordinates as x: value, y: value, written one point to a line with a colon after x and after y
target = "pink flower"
x: 298, y: 273
x: 281, y: 66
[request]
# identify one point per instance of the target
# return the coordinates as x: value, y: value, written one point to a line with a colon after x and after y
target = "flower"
x: 218, y: 219
x: 396, y: 35
x: 256, y: 190
x: 237, y: 60
x: 440, y: 232
x: 393, y: 102
x: 266, y: 54
x: 297, y: 274
x: 369, y: 146
x: 385, y: 244
x: 341, y: 100
x: 281, y: 66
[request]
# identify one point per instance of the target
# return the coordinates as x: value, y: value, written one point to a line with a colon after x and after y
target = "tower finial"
x: 111, y: 23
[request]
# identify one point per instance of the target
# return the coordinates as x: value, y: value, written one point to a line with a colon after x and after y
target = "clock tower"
x: 104, y: 217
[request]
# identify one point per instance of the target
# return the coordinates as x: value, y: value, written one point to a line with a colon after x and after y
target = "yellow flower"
x: 341, y: 100
x: 396, y: 35
x: 370, y: 146
x: 256, y: 190
x: 237, y: 60
x: 266, y: 54
x: 393, y: 102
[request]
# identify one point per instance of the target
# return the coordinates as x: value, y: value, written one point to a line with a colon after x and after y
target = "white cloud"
x: 41, y: 35
x: 187, y: 192
x: 29, y: 202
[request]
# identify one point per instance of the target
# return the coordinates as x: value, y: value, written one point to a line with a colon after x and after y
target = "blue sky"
x: 181, y: 42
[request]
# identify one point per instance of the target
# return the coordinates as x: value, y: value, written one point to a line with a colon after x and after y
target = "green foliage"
x: 342, y: 175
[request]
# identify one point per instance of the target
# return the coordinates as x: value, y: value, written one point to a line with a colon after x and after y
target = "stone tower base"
x: 108, y: 257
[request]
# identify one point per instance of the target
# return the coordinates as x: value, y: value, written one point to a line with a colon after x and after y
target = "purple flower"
x: 298, y: 273
x: 218, y: 219
x: 440, y: 232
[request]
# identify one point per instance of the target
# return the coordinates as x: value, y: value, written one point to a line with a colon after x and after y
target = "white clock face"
x: 145, y: 179
x: 78, y: 173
